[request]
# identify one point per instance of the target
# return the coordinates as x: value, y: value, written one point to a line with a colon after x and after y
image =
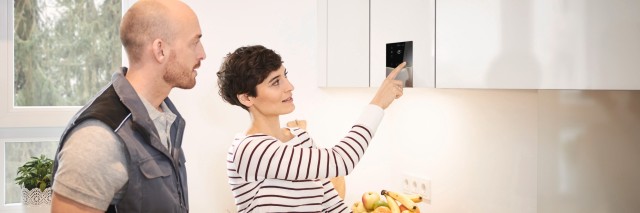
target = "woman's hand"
x: 390, y: 89
x: 302, y: 124
x: 339, y: 185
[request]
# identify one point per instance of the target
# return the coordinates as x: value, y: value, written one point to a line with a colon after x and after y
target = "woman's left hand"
x: 297, y: 123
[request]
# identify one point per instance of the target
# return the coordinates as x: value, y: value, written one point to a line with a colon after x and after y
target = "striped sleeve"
x: 260, y: 157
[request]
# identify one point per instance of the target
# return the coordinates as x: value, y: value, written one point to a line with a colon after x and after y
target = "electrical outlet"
x: 416, y: 185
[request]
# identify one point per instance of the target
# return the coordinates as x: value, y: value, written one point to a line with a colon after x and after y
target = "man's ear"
x: 245, y: 99
x: 160, y: 51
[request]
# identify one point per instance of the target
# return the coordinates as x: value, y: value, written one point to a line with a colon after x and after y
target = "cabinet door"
x: 403, y: 21
x: 538, y: 44
x: 344, y: 43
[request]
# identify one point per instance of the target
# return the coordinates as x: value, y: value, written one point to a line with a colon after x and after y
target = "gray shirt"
x: 162, y: 121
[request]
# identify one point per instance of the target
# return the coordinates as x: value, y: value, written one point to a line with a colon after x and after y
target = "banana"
x: 403, y: 199
x: 415, y: 198
x: 393, y: 205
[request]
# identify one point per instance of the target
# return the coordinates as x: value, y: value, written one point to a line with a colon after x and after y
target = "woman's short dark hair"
x: 245, y: 68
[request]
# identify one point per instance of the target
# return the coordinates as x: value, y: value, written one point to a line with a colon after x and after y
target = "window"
x: 59, y: 54
x: 54, y: 56
x: 16, y: 153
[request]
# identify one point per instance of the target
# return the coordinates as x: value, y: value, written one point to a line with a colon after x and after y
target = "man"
x: 122, y: 151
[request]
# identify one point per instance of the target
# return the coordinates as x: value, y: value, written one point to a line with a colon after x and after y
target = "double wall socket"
x: 416, y: 185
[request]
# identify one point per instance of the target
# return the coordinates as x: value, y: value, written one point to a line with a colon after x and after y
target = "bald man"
x: 122, y: 151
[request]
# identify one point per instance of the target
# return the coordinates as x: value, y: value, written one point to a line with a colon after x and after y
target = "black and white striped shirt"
x: 268, y: 175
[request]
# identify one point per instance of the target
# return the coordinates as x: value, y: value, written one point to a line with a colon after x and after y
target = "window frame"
x: 18, y: 116
x: 27, y: 116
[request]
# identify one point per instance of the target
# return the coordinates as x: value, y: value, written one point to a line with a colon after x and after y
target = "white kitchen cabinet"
x: 343, y: 43
x: 401, y: 21
x: 538, y: 44
x: 353, y: 35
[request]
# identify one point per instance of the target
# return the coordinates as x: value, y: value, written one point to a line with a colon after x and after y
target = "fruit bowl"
x: 387, y: 202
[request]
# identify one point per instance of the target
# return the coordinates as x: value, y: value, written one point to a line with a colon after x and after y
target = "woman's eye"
x: 276, y: 83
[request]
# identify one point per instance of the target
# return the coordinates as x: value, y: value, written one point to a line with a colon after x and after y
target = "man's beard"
x: 178, y: 75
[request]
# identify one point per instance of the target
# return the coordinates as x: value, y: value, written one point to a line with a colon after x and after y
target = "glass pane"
x: 64, y: 50
x: 16, y: 154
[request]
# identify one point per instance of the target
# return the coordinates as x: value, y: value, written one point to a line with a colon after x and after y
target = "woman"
x: 275, y: 169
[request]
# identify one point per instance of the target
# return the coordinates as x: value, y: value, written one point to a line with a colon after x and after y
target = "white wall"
x: 588, y: 151
x: 477, y: 147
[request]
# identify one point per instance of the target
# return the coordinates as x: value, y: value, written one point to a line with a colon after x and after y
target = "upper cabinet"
x: 356, y: 36
x: 538, y: 44
x: 496, y: 44
x: 403, y: 30
x: 343, y: 37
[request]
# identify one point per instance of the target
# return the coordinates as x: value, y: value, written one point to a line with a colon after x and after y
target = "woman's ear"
x: 159, y: 50
x: 245, y: 100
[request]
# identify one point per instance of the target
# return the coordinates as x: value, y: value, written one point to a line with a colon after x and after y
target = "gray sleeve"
x: 92, y: 165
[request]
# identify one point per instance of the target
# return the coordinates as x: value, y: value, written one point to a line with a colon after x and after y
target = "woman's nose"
x: 291, y: 87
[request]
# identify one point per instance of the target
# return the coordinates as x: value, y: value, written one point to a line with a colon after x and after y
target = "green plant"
x: 35, y: 173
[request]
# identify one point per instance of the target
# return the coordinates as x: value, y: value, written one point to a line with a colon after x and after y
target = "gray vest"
x: 157, y: 180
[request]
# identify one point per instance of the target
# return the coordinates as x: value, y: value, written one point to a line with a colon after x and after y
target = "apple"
x: 380, y: 203
x: 370, y: 198
x: 382, y: 209
x: 402, y: 208
x: 357, y: 207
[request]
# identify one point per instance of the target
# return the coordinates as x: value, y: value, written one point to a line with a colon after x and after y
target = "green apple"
x: 380, y: 203
x: 370, y: 198
x: 382, y: 209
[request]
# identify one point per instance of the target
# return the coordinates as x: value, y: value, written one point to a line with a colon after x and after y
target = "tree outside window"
x: 64, y: 50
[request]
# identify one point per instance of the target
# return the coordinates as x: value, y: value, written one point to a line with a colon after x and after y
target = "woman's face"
x: 274, y: 95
